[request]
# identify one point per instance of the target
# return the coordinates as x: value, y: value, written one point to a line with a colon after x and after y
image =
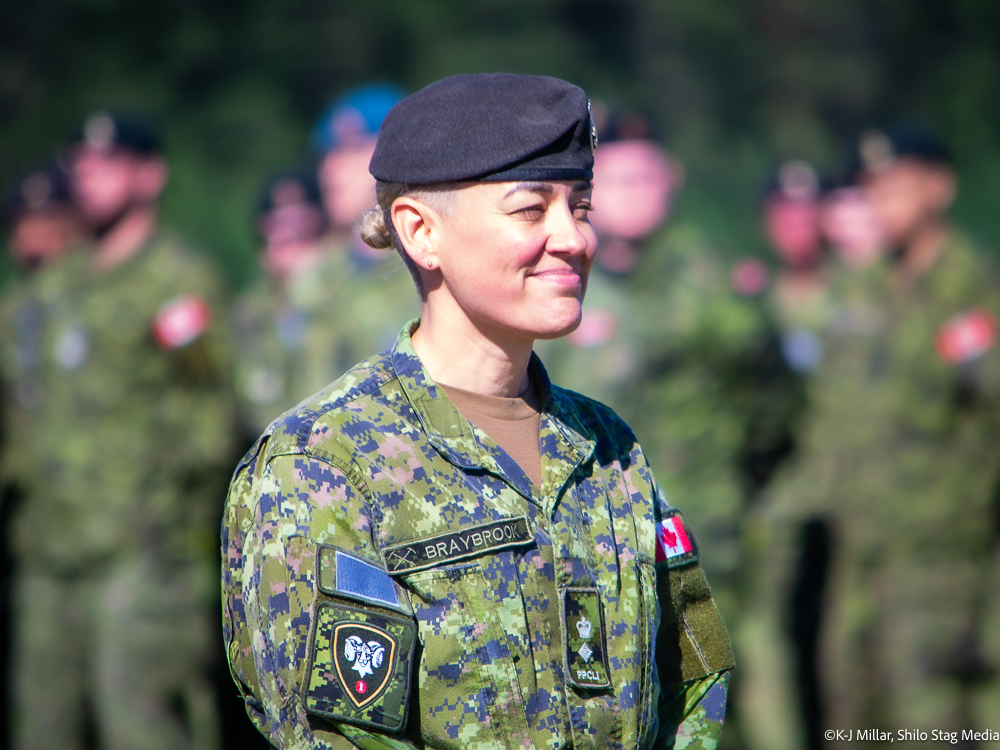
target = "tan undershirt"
x: 512, y: 423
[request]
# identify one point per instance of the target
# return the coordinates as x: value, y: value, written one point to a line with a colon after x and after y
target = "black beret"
x: 495, y: 127
x: 793, y: 180
x: 117, y: 130
x: 292, y: 184
x: 37, y: 189
x: 879, y: 148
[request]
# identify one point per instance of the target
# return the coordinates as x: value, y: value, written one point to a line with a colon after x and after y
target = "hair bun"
x: 374, y: 231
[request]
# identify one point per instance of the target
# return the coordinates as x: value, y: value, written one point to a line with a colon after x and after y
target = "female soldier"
x: 442, y: 549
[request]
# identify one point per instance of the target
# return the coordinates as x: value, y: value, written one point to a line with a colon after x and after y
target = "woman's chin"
x: 555, y: 328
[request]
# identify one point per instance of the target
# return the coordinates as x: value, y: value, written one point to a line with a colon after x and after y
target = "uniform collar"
x: 565, y: 441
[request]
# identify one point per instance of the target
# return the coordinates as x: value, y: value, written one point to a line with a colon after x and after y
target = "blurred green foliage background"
x: 731, y: 86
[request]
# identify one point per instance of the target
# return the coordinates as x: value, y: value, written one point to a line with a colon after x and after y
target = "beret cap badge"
x: 593, y: 128
x: 876, y: 149
x: 99, y: 131
x: 111, y: 130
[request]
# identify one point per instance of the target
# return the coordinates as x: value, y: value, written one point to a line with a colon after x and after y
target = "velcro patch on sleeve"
x: 343, y: 574
x: 585, y: 640
x: 675, y: 542
x: 181, y: 321
x: 457, y: 545
x: 361, y: 666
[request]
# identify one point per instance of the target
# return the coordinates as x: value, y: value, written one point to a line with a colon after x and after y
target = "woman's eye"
x: 581, y: 210
x: 531, y: 212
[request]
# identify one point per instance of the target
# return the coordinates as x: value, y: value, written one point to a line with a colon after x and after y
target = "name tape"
x: 456, y: 545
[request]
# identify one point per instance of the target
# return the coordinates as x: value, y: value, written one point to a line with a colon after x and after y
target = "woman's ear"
x: 417, y: 226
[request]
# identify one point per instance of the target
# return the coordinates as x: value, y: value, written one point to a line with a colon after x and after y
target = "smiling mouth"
x: 560, y: 276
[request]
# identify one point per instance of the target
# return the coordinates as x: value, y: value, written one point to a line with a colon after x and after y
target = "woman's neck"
x: 459, y: 353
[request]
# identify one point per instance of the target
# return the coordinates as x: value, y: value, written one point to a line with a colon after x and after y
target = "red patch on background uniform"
x: 597, y: 326
x: 181, y: 320
x: 966, y: 336
x: 672, y: 539
x: 749, y: 277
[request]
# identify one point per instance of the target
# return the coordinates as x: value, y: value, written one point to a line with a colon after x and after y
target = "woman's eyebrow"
x: 531, y: 187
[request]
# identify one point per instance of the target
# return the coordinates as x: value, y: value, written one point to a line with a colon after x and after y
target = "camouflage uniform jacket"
x: 897, y: 432
x: 391, y: 579
x: 365, y: 299
x: 272, y: 331
x: 130, y: 414
x: 21, y: 319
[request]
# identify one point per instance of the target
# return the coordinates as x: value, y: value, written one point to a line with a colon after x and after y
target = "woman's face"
x: 515, y: 257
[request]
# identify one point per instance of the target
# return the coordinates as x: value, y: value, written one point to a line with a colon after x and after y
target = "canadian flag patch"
x: 181, y: 320
x: 966, y: 336
x: 675, y: 543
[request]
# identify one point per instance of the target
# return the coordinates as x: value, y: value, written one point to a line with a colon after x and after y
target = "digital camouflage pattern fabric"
x: 391, y: 579
x: 124, y: 431
x: 802, y: 313
x: 21, y: 358
x: 702, y: 704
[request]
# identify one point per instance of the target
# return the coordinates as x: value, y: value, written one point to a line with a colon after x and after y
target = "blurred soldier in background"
x: 635, y: 181
x: 811, y: 300
x: 698, y: 336
x: 369, y: 292
x: 123, y: 465
x: 274, y: 370
x: 798, y: 299
x: 345, y: 138
x: 898, y: 467
x: 40, y: 220
x: 327, y: 300
x: 41, y: 224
